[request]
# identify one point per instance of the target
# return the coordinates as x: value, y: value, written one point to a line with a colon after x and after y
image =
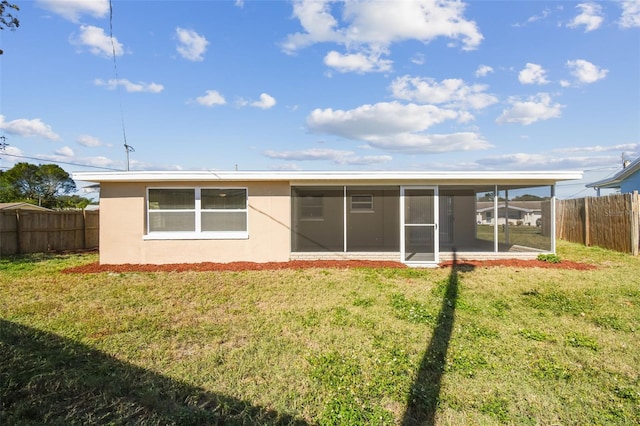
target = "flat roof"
x: 468, y: 177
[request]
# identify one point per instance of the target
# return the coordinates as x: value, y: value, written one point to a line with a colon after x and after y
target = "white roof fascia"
x: 542, y: 177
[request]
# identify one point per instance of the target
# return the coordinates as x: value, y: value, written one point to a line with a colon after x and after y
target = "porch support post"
x: 506, y: 216
x: 344, y: 219
x: 553, y: 218
x: 495, y: 218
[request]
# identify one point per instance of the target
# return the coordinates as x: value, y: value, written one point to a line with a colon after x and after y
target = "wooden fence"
x: 26, y: 231
x: 611, y: 222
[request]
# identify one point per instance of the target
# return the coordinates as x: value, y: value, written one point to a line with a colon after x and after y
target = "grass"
x: 360, y: 346
x: 527, y: 236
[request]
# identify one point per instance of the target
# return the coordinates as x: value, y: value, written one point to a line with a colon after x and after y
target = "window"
x: 312, y: 207
x: 362, y: 203
x: 192, y: 213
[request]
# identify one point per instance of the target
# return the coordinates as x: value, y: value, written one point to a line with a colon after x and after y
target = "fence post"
x: 587, y: 224
x: 18, y: 232
x: 84, y: 229
x: 635, y: 223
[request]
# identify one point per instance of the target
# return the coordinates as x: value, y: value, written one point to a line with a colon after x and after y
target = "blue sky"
x: 324, y: 85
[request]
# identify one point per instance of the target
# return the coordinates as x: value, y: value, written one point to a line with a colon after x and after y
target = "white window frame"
x: 198, y: 234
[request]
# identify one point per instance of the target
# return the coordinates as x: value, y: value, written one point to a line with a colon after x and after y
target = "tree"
x: 53, y: 181
x: 41, y: 185
x: 7, y: 19
x: 65, y: 202
x: 528, y: 197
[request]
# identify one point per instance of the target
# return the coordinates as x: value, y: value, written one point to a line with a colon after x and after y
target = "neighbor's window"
x: 197, y: 213
x: 362, y: 203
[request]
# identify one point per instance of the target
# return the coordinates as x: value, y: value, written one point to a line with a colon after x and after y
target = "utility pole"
x: 3, y: 146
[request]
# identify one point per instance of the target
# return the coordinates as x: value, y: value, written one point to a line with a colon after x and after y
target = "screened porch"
x: 420, y: 224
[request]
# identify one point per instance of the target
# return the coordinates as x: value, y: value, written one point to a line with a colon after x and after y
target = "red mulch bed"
x: 305, y: 264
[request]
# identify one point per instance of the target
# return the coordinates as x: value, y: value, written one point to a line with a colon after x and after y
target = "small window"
x: 362, y: 203
x: 197, y: 213
x: 312, y: 207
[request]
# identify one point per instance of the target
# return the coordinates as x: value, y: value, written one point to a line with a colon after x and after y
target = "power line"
x: 62, y: 162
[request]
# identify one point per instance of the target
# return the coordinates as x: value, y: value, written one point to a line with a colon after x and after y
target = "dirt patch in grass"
x: 306, y: 264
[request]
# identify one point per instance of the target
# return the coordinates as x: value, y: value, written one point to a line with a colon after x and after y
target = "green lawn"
x: 528, y: 236
x: 361, y: 346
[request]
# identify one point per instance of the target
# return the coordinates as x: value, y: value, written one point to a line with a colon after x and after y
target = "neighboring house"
x: 417, y: 218
x: 528, y: 213
x: 626, y: 180
x: 22, y: 206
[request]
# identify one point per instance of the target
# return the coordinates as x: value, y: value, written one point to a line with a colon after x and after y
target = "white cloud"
x: 533, y: 74
x: 627, y: 147
x: 313, y: 154
x: 543, y: 15
x: 191, y: 45
x: 129, y: 86
x: 450, y: 92
x: 333, y: 155
x: 89, y: 141
x: 546, y: 161
x: 266, y: 101
x: 483, y: 70
x: 357, y: 62
x: 97, y: 41
x: 535, y: 108
x: 60, y: 155
x: 28, y: 128
x: 434, y: 143
x: 630, y: 14
x: 12, y: 154
x: 586, y: 72
x: 65, y: 151
x: 211, y: 98
x: 385, y: 118
x: 72, y: 10
x: 418, y: 59
x: 394, y: 126
x: 368, y: 28
x: 367, y: 160
x: 590, y: 17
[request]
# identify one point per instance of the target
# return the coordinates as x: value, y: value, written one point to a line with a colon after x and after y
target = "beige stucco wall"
x: 123, y: 216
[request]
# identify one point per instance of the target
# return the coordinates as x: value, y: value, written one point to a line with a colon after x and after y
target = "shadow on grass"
x: 47, y: 379
x: 422, y: 402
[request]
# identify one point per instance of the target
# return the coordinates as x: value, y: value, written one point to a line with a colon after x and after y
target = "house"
x: 528, y: 213
x: 419, y: 218
x: 626, y: 180
x: 22, y: 206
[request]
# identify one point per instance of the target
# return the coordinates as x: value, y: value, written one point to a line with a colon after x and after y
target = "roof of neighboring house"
x: 525, y: 206
x: 615, y: 180
x: 471, y: 177
x: 22, y: 206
